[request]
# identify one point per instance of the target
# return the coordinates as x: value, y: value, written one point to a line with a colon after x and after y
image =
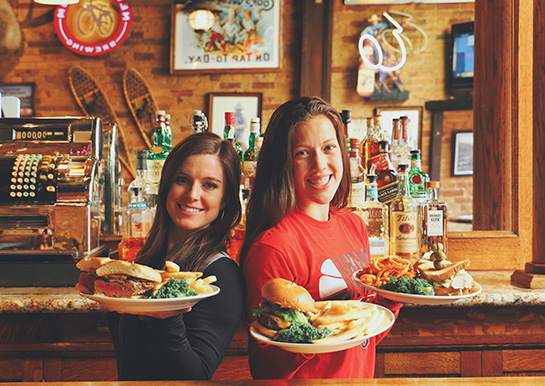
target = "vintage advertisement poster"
x: 245, y: 35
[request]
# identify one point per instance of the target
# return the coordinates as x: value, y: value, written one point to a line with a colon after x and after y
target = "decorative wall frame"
x: 25, y: 92
x: 414, y: 127
x: 462, y: 153
x: 244, y: 37
x: 244, y: 105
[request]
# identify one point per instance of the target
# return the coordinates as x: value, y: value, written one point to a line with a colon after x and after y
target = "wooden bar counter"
x: 55, y: 335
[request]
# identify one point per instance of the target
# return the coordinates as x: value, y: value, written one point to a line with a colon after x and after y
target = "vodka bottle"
x: 375, y: 214
x: 405, y: 224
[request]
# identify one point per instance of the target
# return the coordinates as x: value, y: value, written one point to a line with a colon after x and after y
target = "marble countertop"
x: 497, y: 291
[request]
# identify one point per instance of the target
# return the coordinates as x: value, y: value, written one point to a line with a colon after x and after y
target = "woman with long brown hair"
x: 197, y: 206
x: 297, y: 229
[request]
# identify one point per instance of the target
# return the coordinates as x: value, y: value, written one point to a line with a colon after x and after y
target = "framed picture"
x: 25, y: 92
x: 244, y: 36
x: 462, y: 153
x: 245, y: 106
x: 414, y: 127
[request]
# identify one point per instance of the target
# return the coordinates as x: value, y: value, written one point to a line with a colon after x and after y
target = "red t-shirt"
x: 320, y: 256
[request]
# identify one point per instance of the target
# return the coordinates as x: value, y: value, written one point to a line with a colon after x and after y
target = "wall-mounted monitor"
x: 461, y: 57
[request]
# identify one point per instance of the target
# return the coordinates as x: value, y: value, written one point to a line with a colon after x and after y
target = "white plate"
x: 320, y: 348
x: 150, y: 305
x: 401, y: 297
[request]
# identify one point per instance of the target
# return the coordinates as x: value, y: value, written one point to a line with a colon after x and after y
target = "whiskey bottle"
x: 400, y: 152
x: 405, y: 224
x: 357, y: 191
x: 404, y: 145
x: 418, y: 178
x: 199, y: 123
x: 141, y: 183
x: 434, y: 224
x: 229, y: 133
x: 369, y: 150
x: 158, y: 153
x: 375, y: 215
x: 248, y: 170
x: 386, y: 174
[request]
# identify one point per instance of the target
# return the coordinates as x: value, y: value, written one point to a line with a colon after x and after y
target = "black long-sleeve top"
x: 188, y: 346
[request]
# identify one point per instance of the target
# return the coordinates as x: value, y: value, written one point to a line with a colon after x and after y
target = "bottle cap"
x: 141, y: 159
x: 346, y: 116
x: 229, y: 117
x: 402, y: 167
x: 415, y: 151
x: 354, y: 143
x: 383, y: 146
x: 371, y: 178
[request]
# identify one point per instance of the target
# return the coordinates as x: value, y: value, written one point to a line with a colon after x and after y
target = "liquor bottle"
x: 238, y: 233
x: 346, y: 116
x: 405, y: 147
x: 248, y: 166
x: 375, y: 214
x: 229, y: 134
x: 386, y: 174
x: 418, y: 178
x: 199, y: 123
x: 405, y: 224
x: 398, y: 152
x: 167, y: 138
x: 434, y: 224
x: 357, y: 191
x: 141, y: 183
x: 370, y: 148
x: 158, y: 153
x: 137, y: 220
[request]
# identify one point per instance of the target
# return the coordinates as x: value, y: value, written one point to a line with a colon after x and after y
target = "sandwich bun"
x: 287, y: 294
x: 264, y: 330
x: 139, y: 271
x: 92, y: 263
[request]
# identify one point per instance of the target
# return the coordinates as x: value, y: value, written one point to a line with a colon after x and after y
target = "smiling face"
x: 318, y: 166
x: 196, y: 197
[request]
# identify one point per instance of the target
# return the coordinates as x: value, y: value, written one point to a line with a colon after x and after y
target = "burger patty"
x: 87, y: 280
x: 122, y: 288
x: 272, y: 322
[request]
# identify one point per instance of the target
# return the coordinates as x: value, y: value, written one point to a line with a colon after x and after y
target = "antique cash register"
x: 56, y: 197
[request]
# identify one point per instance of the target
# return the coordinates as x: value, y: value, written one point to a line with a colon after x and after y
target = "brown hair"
x: 192, y: 252
x: 273, y: 192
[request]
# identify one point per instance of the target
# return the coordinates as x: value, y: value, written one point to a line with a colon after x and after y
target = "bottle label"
x: 377, y: 247
x: 387, y: 193
x: 155, y: 167
x: 357, y: 194
x: 434, y: 223
x: 405, y: 231
x: 248, y: 168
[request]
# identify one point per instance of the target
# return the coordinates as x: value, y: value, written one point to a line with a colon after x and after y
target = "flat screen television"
x: 461, y: 57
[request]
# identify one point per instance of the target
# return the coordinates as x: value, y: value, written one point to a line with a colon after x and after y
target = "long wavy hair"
x: 273, y: 192
x: 192, y: 252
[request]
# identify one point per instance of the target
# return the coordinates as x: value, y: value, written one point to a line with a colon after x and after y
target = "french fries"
x: 348, y: 319
x: 201, y: 285
x: 380, y: 270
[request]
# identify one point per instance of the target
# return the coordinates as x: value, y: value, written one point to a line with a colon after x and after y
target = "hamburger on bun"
x: 87, y: 277
x: 452, y: 280
x: 284, y: 303
x: 122, y: 279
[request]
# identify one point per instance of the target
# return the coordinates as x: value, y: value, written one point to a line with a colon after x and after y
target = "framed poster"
x: 25, y: 92
x: 462, y: 153
x: 245, y: 36
x: 245, y: 106
x: 414, y: 127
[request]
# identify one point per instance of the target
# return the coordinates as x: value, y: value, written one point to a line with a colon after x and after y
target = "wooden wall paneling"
x: 11, y: 369
x: 539, y: 133
x: 471, y: 364
x: 523, y: 361
x: 316, y: 49
x: 421, y: 363
x: 492, y: 363
x: 33, y: 370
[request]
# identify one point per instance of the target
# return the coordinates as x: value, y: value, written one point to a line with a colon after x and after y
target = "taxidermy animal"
x: 10, y: 31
